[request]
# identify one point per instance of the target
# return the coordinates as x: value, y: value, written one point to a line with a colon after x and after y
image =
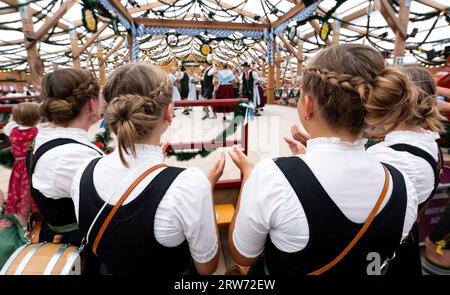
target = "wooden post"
x: 336, y: 29
x: 278, y: 68
x: 74, y: 48
x: 101, y: 63
x: 270, y: 80
x: 34, y: 61
x: 300, y: 62
x: 130, y: 46
x: 400, y: 40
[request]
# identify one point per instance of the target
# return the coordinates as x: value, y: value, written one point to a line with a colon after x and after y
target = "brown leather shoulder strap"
x: 120, y: 202
x: 363, y: 229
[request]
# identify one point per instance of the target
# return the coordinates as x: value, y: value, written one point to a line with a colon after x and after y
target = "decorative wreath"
x: 89, y: 20
x: 325, y: 31
x: 205, y: 49
x: 172, y: 40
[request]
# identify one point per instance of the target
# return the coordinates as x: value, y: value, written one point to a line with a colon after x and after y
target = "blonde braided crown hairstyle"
x: 137, y: 94
x: 354, y: 88
x: 65, y: 92
x: 428, y: 115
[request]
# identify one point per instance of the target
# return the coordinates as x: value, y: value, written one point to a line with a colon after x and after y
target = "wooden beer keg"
x: 44, y: 259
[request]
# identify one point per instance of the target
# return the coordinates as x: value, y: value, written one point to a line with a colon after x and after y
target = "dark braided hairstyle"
x: 65, y: 92
x: 354, y: 88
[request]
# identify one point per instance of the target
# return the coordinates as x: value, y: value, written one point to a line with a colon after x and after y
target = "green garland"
x: 238, y: 119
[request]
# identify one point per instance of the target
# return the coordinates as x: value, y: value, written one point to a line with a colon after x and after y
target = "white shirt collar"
x: 143, y: 152
x: 335, y: 143
x: 426, y: 135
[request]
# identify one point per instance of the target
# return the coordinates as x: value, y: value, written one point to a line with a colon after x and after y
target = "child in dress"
x: 21, y: 130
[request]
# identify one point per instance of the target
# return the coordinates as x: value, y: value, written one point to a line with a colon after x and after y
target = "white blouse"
x: 352, y: 178
x: 8, y: 128
x: 55, y: 170
x: 185, y: 212
x: 418, y: 170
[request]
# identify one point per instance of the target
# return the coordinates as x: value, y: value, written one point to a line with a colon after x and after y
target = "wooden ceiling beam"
x: 289, y: 14
x: 91, y: 40
x: 435, y: 5
x: 393, y: 21
x: 199, y: 24
x: 117, y: 5
x: 54, y: 19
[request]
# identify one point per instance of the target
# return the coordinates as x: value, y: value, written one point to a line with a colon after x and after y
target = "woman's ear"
x: 168, y: 113
x: 308, y: 105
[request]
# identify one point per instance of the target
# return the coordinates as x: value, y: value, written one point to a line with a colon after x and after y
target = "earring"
x: 307, y: 118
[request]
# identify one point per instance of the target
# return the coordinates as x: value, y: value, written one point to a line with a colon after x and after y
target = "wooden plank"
x: 238, y: 10
x: 150, y: 6
x: 101, y: 63
x: 130, y: 47
x: 290, y: 13
x: 53, y: 20
x: 435, y: 5
x: 117, y: 5
x: 114, y: 49
x: 336, y: 32
x: 290, y: 48
x: 74, y: 49
x: 400, y: 41
x: 91, y: 40
x: 393, y: 21
x: 316, y: 28
x: 168, y: 23
x: 34, y: 61
x: 300, y: 62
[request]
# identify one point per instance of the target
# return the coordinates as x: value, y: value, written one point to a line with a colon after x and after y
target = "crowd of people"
x: 218, y: 82
x: 324, y: 209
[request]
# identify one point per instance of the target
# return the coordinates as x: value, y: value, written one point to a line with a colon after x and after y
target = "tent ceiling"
x: 356, y: 26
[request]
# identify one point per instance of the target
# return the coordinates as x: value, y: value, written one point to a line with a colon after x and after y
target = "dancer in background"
x: 225, y: 89
x: 259, y: 99
x: 174, y: 78
x: 249, y: 88
x: 184, y: 87
x: 208, y: 86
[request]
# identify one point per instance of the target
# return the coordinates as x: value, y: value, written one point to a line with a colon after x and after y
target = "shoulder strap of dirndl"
x: 160, y: 184
x: 33, y: 158
x: 413, y: 150
x: 295, y: 177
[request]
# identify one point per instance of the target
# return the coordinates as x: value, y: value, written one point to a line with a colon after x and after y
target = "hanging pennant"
x: 325, y: 31
x: 205, y: 49
x: 89, y: 20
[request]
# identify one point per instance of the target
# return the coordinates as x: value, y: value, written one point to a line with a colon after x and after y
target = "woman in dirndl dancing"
x: 225, y: 89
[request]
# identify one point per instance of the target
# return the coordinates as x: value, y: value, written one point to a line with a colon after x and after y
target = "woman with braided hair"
x: 334, y: 208
x: 164, y: 223
x: 71, y: 104
x: 410, y: 146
